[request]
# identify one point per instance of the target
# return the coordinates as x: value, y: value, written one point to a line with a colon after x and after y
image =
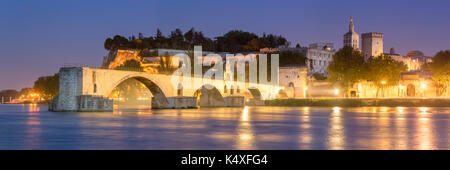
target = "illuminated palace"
x: 298, y: 81
x: 414, y: 83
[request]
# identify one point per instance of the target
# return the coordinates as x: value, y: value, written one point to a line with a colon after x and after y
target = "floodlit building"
x: 412, y: 84
x: 419, y: 56
x: 351, y: 38
x: 150, y: 60
x: 372, y: 44
x: 293, y: 80
x: 319, y: 56
x: 414, y: 60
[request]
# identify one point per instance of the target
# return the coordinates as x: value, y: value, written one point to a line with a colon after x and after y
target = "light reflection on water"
x: 32, y: 127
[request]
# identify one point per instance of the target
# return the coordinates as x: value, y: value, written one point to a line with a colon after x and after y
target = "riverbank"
x: 360, y: 102
x: 26, y: 102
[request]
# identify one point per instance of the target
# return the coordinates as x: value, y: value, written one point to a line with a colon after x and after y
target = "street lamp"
x: 336, y: 92
x: 423, y: 85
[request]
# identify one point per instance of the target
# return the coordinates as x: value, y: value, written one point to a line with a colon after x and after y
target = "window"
x: 95, y: 88
x: 291, y: 85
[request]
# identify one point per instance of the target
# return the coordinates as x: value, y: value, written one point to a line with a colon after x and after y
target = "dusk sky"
x: 38, y: 37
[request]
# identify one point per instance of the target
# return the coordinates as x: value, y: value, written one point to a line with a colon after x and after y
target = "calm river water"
x: 33, y: 127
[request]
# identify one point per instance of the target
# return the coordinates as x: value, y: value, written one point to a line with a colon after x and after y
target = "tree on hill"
x: 292, y: 58
x: 232, y: 41
x: 131, y: 65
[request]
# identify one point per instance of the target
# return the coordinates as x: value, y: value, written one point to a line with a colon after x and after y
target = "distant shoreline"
x: 43, y: 104
x: 341, y: 102
x: 355, y: 102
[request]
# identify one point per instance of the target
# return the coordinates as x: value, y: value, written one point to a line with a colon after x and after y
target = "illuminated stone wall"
x: 293, y: 81
x: 372, y: 44
x: 405, y: 89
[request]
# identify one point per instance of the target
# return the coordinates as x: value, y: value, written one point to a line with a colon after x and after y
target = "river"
x: 33, y: 127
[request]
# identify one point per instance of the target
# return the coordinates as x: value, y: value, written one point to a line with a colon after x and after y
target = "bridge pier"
x: 255, y: 102
x: 234, y: 101
x: 82, y: 103
x: 178, y: 102
x: 71, y: 97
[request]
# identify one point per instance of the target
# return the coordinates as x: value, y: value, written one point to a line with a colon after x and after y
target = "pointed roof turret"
x: 351, y: 27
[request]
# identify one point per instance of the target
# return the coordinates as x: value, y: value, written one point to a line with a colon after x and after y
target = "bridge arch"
x: 158, y: 92
x: 209, y: 96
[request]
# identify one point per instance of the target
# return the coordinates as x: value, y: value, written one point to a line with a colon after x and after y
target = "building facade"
x: 351, y: 38
x: 372, y: 44
x: 419, y: 56
x: 412, y: 84
x: 319, y: 56
x: 293, y: 80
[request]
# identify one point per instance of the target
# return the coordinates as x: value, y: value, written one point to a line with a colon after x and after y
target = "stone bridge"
x: 87, y: 89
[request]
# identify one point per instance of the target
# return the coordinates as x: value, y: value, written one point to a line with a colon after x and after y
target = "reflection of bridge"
x: 87, y: 89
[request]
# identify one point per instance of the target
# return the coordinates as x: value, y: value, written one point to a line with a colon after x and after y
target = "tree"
x: 253, y: 45
x: 319, y: 76
x: 165, y: 64
x: 160, y: 40
x: 234, y: 41
x: 346, y: 68
x: 177, y: 39
x: 131, y: 65
x: 292, y: 58
x: 189, y: 36
x: 384, y: 71
x: 441, y: 71
x: 159, y: 34
x: 120, y: 42
x: 8, y: 95
x: 47, y: 86
x: 25, y: 91
x: 108, y: 44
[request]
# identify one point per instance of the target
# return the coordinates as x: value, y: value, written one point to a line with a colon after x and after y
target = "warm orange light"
x: 383, y: 82
x: 304, y: 92
x: 423, y: 85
